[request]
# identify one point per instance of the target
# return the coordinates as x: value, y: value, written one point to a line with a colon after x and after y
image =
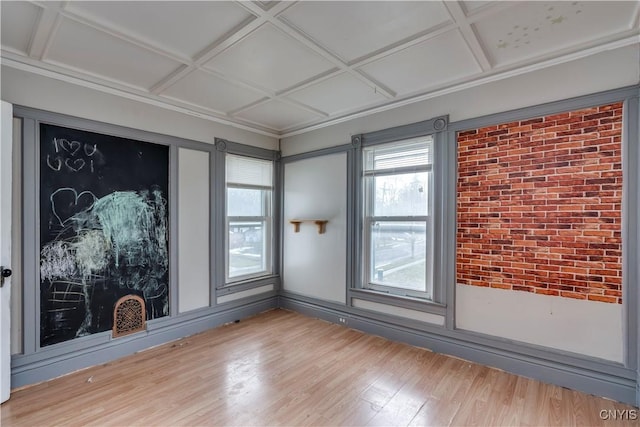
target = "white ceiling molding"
x: 129, y: 94
x: 468, y: 85
x: 285, y: 68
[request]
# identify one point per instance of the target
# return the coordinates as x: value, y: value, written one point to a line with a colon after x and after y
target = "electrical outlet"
x: 342, y: 320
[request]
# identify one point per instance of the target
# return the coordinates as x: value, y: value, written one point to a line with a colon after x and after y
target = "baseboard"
x: 621, y: 389
x: 46, y: 369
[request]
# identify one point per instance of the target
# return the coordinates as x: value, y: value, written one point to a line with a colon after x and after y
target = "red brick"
x: 539, y: 205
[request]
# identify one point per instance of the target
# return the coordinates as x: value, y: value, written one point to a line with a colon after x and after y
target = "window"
x: 398, y: 220
x: 249, y: 219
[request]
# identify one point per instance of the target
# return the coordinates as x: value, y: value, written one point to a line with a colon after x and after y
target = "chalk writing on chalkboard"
x: 103, y: 230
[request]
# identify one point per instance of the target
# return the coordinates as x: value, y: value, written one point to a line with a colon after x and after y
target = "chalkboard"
x: 103, y: 229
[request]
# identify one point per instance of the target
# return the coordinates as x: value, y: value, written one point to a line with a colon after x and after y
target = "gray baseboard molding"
x: 38, y: 371
x: 621, y: 389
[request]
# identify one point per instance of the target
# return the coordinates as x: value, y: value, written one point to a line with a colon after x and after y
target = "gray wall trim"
x: 219, y: 224
x: 31, y: 251
x: 249, y: 284
x: 46, y: 369
x: 631, y: 180
x: 587, y: 380
x: 279, y: 190
x: 242, y: 302
x: 212, y: 230
x: 464, y: 337
x: 245, y: 150
x: 412, y: 130
x: 174, y: 302
x: 108, y: 129
x: 316, y: 153
x: 440, y: 214
x: 576, y: 103
x: 630, y: 218
x: 277, y: 209
x: 352, y: 235
x: 398, y: 301
x: 636, y: 114
x: 355, y: 174
x: 449, y: 225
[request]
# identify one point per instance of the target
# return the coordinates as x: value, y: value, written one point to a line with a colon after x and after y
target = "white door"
x: 6, y: 142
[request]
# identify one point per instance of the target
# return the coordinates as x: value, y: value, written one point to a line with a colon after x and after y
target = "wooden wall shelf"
x: 320, y: 223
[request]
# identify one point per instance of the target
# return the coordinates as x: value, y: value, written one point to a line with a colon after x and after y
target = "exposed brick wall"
x: 539, y: 205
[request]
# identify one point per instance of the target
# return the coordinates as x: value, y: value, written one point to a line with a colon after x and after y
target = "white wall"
x: 193, y: 230
x: 604, y: 71
x: 16, y: 242
x: 6, y: 158
x: 314, y: 264
x: 32, y: 90
x: 585, y: 327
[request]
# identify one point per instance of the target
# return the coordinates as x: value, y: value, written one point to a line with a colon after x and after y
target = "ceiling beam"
x: 272, y: 16
x: 469, y: 35
x: 240, y: 32
x: 48, y: 22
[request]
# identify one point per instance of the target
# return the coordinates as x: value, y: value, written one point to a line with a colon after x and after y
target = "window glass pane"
x: 399, y: 255
x: 414, y: 152
x: 245, y: 202
x: 403, y: 194
x: 247, y: 254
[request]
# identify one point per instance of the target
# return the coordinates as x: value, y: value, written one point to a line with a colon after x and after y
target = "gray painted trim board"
x: 53, y: 367
x: 547, y: 354
x: 589, y: 381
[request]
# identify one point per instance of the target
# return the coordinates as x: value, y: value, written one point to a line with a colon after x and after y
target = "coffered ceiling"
x: 282, y: 68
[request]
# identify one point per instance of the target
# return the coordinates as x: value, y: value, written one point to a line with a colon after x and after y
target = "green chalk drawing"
x: 129, y: 225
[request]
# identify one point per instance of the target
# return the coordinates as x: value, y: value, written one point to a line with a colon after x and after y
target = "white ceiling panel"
x: 270, y: 59
x: 337, y: 94
x: 207, y: 90
x: 277, y: 115
x: 532, y: 29
x: 184, y: 28
x: 18, y: 20
x: 82, y: 47
x: 426, y: 65
x: 354, y: 29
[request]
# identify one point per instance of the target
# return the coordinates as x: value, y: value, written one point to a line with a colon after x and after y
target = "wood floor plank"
x: 283, y: 368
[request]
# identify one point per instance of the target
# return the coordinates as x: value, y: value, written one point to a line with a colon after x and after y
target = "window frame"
x: 441, y: 158
x: 225, y: 283
x: 370, y: 218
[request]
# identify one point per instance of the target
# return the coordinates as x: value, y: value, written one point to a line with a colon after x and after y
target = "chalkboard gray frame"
x: 121, y: 190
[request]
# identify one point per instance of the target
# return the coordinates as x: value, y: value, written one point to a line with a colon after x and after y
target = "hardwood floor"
x: 282, y: 368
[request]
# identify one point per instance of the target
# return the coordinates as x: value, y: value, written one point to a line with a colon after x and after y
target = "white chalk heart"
x: 66, y: 202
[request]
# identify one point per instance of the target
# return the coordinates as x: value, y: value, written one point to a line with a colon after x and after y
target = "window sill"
x: 249, y: 283
x: 412, y: 303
